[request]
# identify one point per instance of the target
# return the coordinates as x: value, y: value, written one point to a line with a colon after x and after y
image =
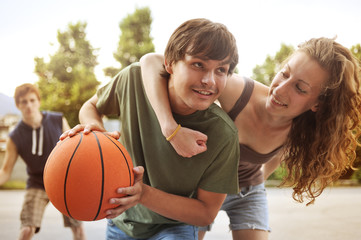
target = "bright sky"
x: 29, y: 28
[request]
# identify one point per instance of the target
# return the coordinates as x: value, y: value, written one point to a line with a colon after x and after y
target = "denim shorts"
x: 246, y: 210
x: 183, y: 232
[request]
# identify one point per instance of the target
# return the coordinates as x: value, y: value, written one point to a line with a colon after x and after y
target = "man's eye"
x: 198, y: 65
x: 222, y: 70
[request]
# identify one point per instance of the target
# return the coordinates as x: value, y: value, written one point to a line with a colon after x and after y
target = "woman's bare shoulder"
x: 232, y: 91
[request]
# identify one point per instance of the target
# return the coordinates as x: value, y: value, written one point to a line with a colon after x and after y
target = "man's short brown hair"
x: 202, y: 37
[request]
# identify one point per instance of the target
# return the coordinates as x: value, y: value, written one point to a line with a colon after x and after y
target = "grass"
x: 13, y: 184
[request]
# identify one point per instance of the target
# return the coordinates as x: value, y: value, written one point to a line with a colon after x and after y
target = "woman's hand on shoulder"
x: 188, y: 142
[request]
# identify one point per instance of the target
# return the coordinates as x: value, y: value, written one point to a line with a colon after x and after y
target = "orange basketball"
x: 83, y: 172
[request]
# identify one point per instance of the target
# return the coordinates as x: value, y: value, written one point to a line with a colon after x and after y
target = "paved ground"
x: 336, y: 215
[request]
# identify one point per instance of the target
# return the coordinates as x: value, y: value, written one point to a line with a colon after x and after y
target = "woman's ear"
x: 315, y: 107
x: 168, y: 67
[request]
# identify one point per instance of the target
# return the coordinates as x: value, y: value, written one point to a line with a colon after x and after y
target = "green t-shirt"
x: 214, y: 170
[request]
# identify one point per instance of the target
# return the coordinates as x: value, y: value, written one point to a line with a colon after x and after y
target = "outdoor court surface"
x: 336, y: 215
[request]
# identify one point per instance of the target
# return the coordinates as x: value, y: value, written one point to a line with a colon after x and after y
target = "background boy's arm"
x: 11, y: 154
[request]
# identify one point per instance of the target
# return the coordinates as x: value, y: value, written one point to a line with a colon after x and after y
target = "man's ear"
x: 168, y: 67
x: 315, y: 107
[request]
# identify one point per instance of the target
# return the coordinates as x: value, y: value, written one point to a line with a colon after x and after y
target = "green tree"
x: 265, y: 73
x: 68, y: 79
x: 135, y: 39
x: 356, y: 51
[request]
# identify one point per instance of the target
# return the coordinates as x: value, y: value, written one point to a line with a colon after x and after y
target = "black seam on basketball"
x: 126, y: 160
x: 67, y: 172
x: 102, y: 190
x: 53, y: 151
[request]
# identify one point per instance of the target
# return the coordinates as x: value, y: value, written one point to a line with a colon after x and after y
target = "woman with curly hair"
x: 308, y: 119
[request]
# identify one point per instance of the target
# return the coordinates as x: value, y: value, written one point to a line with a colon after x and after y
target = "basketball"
x: 83, y: 172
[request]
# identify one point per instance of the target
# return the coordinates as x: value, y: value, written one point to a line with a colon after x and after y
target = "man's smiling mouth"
x: 206, y: 93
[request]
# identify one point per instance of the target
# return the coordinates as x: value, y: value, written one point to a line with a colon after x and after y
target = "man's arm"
x: 11, y: 154
x: 66, y: 126
x: 89, y: 114
x: 90, y: 120
x: 199, y: 212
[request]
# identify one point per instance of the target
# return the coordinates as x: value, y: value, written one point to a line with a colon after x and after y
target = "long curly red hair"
x: 321, y: 145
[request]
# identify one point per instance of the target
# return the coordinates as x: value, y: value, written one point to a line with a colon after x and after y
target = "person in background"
x: 309, y: 118
x: 175, y: 196
x: 33, y: 139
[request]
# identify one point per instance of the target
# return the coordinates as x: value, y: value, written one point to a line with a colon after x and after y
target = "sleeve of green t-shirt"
x: 109, y: 95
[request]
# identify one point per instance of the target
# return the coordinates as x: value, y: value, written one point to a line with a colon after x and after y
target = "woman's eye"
x: 300, y: 89
x: 283, y: 73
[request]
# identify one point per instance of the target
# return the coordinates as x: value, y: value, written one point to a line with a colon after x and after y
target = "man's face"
x: 29, y: 105
x: 195, y: 83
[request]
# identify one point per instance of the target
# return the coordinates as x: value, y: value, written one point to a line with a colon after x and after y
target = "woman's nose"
x: 282, y: 87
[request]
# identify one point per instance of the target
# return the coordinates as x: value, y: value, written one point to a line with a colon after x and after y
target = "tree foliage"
x: 68, y: 79
x: 356, y: 51
x: 134, y: 41
x: 265, y: 73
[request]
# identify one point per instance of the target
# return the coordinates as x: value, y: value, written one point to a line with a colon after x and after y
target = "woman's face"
x: 295, y: 89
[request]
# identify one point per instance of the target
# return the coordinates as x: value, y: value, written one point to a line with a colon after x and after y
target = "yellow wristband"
x: 174, y: 133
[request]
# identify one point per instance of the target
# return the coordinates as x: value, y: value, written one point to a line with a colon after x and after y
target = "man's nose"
x: 208, y: 79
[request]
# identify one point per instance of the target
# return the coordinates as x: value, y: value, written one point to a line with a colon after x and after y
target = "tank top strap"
x: 243, y: 99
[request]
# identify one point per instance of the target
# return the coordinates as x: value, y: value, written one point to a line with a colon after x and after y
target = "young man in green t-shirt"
x: 173, y: 196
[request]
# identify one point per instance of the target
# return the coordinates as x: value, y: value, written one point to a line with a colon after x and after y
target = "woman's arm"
x: 269, y: 167
x: 232, y: 91
x: 186, y: 142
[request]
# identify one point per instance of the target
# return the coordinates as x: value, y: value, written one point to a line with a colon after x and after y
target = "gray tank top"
x: 250, y: 163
